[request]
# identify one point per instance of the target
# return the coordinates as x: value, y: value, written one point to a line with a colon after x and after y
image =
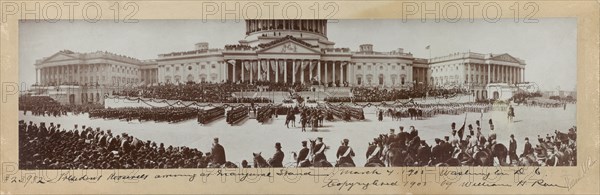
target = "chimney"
x: 202, y: 46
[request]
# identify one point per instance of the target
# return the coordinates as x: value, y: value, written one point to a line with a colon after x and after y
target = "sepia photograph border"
x: 581, y: 179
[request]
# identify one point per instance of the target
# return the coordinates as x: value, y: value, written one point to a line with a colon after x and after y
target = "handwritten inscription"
x: 342, y: 179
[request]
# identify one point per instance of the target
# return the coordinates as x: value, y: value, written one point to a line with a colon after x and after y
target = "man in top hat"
x: 512, y: 148
x: 402, y: 137
x: 345, y: 153
x: 51, y: 128
x: 302, y: 155
x: 413, y: 133
x: 277, y: 160
x: 391, y: 137
x: 436, y: 151
x: 453, y: 126
x: 320, y: 150
x: 423, y: 153
x: 527, y: 149
x: 218, y: 152
x: 446, y: 148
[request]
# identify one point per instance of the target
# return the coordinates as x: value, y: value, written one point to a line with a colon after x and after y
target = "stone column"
x: 333, y: 71
x: 243, y: 67
x: 341, y: 73
x: 285, y: 70
x: 277, y: 70
x: 489, y: 77
x: 326, y: 75
x: 319, y: 71
x: 294, y: 71
x: 310, y: 71
x: 268, y: 70
x: 302, y: 62
x: 251, y: 70
x: 259, y: 64
x: 233, y: 72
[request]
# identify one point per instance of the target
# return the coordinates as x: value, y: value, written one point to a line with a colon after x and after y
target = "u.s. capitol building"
x: 283, y: 51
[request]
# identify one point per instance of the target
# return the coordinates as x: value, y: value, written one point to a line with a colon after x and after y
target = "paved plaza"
x: 249, y: 136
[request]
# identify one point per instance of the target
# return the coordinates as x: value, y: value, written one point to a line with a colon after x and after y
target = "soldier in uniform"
x: 277, y: 160
x: 345, y: 153
x: 302, y: 154
x: 218, y: 153
x: 320, y: 150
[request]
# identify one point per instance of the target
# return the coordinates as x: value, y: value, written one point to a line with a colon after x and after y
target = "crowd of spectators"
x: 53, y: 147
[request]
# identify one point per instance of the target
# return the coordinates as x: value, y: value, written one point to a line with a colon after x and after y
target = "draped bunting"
x: 264, y: 64
x: 232, y: 62
x: 246, y: 65
x: 281, y: 67
x: 179, y: 103
x: 297, y: 68
x: 254, y: 67
x: 273, y: 65
x: 304, y: 65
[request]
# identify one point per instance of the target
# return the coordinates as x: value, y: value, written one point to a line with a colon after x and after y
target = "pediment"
x: 288, y: 46
x: 505, y: 57
x: 59, y: 57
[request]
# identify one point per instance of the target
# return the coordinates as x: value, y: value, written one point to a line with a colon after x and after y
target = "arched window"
x: 381, y: 77
x: 190, y: 78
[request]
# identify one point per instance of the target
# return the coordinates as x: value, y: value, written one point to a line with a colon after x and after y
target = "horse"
x: 344, y: 163
x: 499, y: 151
x: 259, y: 161
x: 229, y: 164
x: 511, y: 114
x: 483, y: 158
x: 528, y: 160
x: 413, y: 113
x: 394, y: 157
x: 374, y: 162
x: 290, y: 118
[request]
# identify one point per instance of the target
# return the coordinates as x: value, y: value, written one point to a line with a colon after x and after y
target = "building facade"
x: 283, y: 51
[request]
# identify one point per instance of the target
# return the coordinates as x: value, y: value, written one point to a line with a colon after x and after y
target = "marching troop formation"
x: 158, y: 114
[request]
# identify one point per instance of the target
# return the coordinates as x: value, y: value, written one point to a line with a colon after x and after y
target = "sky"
x: 549, y: 47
